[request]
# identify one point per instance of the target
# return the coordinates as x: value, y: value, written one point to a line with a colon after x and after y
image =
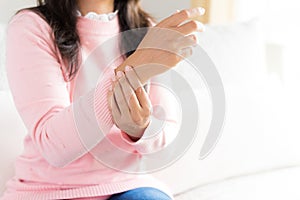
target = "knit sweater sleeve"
x: 41, y: 96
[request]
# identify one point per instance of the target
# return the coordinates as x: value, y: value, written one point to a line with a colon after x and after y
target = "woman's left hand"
x: 129, y: 104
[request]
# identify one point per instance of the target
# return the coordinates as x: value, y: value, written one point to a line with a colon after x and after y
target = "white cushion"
x: 275, y: 184
x: 237, y: 51
x: 12, y: 132
x: 255, y: 135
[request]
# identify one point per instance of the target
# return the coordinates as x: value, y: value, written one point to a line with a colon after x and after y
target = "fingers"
x: 140, y: 100
x: 132, y: 78
x: 112, y: 105
x: 141, y: 96
x: 186, y: 41
x: 144, y: 100
x: 186, y: 52
x: 190, y: 27
x: 179, y: 17
x: 137, y: 109
x: 115, y: 109
x: 133, y: 102
x: 120, y: 99
x: 125, y: 85
x: 140, y: 111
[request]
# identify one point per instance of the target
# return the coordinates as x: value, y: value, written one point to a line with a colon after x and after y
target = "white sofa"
x: 258, y: 154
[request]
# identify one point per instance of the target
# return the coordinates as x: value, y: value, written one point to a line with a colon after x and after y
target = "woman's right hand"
x: 166, y: 44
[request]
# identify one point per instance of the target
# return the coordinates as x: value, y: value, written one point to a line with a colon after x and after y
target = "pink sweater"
x: 57, y: 163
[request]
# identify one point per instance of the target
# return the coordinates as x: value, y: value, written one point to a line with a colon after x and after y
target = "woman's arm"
x: 42, y: 98
x: 165, y: 45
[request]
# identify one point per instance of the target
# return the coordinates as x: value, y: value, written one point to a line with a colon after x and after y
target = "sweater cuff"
x: 92, y: 117
x: 101, y: 107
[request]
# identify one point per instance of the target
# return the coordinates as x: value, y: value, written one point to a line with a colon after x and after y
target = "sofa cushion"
x: 275, y: 184
x: 12, y: 132
x: 238, y: 51
x: 256, y: 134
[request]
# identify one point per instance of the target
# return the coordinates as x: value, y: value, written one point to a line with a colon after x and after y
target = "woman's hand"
x: 129, y: 104
x: 166, y: 44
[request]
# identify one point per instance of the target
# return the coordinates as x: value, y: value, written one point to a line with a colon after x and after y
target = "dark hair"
x: 61, y: 15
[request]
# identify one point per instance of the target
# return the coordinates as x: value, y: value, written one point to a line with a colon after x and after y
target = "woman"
x: 46, y: 48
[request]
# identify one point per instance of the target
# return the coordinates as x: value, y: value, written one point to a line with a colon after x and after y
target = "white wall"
x: 163, y: 8
x: 9, y: 7
x: 157, y: 8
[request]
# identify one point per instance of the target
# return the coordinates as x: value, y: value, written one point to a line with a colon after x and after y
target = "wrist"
x: 143, y: 65
x: 134, y: 60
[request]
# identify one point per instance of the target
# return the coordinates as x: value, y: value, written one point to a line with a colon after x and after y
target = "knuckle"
x: 194, y: 24
x: 147, y: 112
x: 130, y: 97
x: 135, y: 115
x: 184, y: 14
x: 177, y: 58
x: 136, y: 119
x: 122, y: 80
x: 122, y: 103
x: 194, y: 38
x: 143, y: 114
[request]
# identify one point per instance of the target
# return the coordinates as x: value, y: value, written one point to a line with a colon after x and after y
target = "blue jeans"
x: 142, y: 193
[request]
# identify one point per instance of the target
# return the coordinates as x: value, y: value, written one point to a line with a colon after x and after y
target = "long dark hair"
x: 61, y: 15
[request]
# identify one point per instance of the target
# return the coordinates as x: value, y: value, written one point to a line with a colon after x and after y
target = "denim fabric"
x: 143, y: 193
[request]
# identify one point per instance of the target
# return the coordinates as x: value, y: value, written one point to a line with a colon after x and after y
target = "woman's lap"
x: 143, y: 193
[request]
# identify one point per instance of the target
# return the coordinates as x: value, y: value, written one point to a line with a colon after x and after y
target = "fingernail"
x: 128, y: 68
x: 201, y: 27
x: 194, y: 37
x: 201, y: 10
x: 119, y: 74
x: 114, y: 79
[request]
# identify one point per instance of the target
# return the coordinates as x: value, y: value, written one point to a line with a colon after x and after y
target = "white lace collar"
x: 101, y: 17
